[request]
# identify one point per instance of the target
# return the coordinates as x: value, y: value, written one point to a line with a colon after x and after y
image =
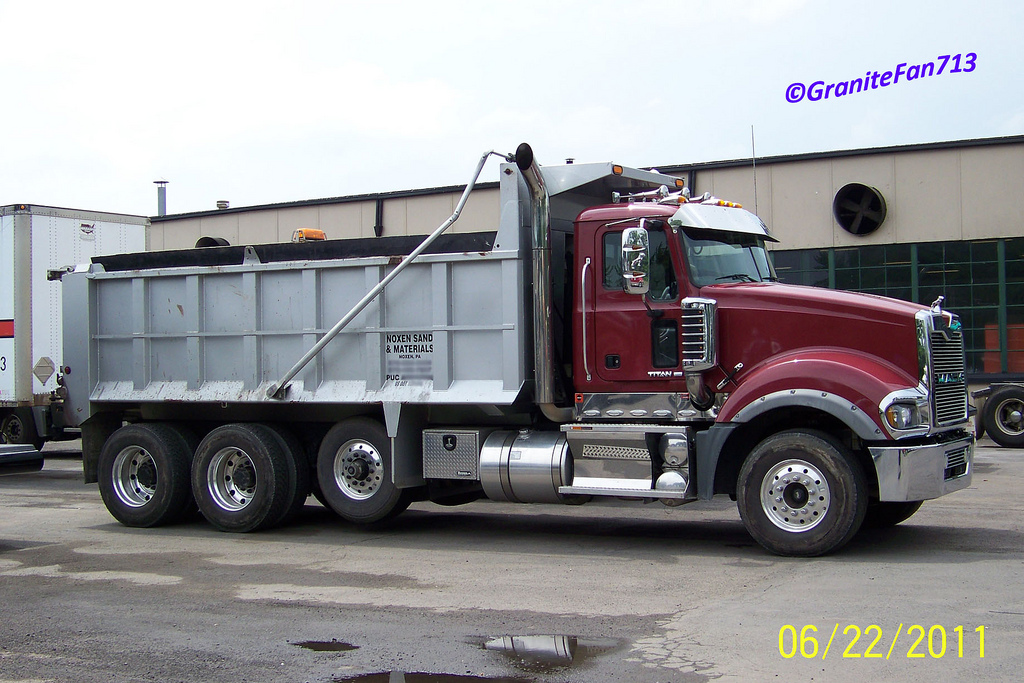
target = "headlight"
x: 902, y: 416
x: 905, y: 412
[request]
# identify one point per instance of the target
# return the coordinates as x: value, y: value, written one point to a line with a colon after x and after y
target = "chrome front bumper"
x: 924, y: 471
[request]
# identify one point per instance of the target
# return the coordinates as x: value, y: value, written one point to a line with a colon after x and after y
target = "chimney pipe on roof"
x: 161, y: 197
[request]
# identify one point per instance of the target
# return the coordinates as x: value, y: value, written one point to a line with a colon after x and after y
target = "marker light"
x: 308, y: 235
x: 715, y: 201
x: 617, y: 170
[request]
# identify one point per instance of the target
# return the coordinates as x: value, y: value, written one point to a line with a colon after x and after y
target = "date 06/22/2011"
x: 869, y: 643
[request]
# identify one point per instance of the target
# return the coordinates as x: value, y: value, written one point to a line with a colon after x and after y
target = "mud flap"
x: 405, y: 424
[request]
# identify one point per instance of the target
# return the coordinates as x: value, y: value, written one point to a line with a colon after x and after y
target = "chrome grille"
x: 948, y: 377
x: 694, y: 336
x: 697, y: 341
x: 956, y: 463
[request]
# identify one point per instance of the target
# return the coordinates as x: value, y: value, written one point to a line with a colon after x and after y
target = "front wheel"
x: 354, y: 471
x: 1003, y: 416
x: 801, y: 493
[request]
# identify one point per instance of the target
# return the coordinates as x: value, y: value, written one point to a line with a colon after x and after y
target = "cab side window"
x: 664, y: 286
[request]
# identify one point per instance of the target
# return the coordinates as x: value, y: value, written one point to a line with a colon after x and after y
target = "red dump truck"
x: 612, y: 336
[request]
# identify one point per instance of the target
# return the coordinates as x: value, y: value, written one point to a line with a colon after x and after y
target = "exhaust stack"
x: 543, y: 343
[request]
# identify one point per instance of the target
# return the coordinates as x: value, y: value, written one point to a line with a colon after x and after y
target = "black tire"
x: 354, y: 471
x: 242, y: 478
x: 297, y: 455
x: 882, y: 515
x: 1003, y: 416
x: 144, y: 472
x: 801, y: 493
x: 19, y: 427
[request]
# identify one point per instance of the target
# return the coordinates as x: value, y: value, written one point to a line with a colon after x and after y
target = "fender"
x: 846, y: 384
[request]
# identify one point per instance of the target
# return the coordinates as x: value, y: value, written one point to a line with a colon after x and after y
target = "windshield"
x: 714, y: 257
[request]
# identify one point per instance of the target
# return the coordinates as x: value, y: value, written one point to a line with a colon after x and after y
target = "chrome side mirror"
x: 636, y: 263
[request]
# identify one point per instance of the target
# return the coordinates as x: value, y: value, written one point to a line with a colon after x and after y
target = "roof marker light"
x: 308, y: 235
x: 708, y: 200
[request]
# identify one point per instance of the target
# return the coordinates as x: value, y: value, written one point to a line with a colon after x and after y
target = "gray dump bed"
x: 221, y: 326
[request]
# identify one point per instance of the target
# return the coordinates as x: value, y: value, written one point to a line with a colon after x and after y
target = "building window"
x: 982, y: 282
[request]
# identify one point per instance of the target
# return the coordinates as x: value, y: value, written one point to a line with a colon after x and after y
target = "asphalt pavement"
x: 503, y: 592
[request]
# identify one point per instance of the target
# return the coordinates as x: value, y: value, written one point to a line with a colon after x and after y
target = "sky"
x: 262, y: 102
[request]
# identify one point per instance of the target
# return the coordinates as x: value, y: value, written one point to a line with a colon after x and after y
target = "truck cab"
x: 680, y: 317
x: 678, y: 262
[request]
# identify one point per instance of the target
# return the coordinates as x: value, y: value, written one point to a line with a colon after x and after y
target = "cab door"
x: 635, y: 338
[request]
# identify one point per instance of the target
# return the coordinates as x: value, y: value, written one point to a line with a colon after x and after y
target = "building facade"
x: 913, y: 222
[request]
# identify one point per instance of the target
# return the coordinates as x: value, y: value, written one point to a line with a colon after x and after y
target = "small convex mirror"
x: 636, y: 266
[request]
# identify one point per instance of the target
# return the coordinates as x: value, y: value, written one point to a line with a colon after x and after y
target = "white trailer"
x: 35, y: 243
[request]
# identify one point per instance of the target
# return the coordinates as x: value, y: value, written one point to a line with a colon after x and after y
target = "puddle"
x: 542, y: 654
x: 403, y: 677
x: 331, y: 645
x: 532, y: 654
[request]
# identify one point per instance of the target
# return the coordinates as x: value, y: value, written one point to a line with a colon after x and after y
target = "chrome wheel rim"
x: 231, y: 479
x: 795, y: 495
x: 358, y: 469
x: 135, y: 476
x: 1010, y: 415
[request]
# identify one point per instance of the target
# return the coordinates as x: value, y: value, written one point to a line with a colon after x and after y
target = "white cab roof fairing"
x: 723, y: 218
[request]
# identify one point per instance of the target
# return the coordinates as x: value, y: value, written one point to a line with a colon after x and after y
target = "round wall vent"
x: 859, y: 209
x: 206, y: 241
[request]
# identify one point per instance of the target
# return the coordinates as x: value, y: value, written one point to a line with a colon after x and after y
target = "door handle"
x: 583, y: 304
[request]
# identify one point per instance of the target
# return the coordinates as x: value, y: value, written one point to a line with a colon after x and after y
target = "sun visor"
x: 726, y: 219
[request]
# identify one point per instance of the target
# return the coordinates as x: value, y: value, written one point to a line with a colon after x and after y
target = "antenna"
x: 753, y: 163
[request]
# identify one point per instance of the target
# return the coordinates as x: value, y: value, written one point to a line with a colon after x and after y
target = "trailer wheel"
x: 19, y: 428
x: 144, y: 474
x: 882, y: 515
x: 801, y: 493
x: 354, y: 471
x: 1004, y: 416
x: 242, y: 478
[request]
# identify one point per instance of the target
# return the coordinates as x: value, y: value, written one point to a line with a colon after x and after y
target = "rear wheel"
x: 1004, y: 416
x: 243, y: 478
x: 354, y: 471
x: 801, y: 493
x: 297, y: 454
x: 144, y: 474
